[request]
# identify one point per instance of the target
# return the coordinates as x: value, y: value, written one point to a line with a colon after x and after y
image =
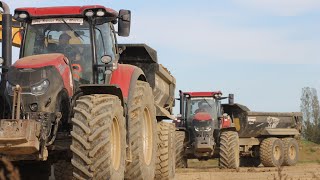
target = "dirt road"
x: 304, y: 171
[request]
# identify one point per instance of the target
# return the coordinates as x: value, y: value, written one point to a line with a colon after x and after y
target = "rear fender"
x: 125, y: 77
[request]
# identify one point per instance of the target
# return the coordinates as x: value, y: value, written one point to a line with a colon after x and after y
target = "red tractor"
x: 234, y: 134
x: 204, y: 131
x: 80, y: 101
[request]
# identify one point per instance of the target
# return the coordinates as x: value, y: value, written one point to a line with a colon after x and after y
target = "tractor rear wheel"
x: 271, y: 152
x: 291, y: 151
x: 181, y: 158
x: 142, y: 132
x: 98, y: 138
x: 63, y: 170
x: 165, y: 163
x: 229, y: 150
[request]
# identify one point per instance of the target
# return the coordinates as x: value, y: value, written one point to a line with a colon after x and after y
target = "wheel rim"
x: 147, y: 136
x: 292, y: 152
x: 277, y: 152
x: 115, y: 144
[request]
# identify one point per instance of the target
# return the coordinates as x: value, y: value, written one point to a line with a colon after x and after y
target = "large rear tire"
x: 229, y: 150
x: 181, y: 158
x: 165, y: 163
x: 291, y: 151
x: 63, y: 170
x: 271, y: 152
x: 142, y: 132
x: 98, y: 138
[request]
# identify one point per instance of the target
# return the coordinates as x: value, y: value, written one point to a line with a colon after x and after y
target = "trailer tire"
x: 98, y: 138
x: 181, y: 158
x: 291, y: 151
x: 271, y: 152
x: 63, y: 170
x: 142, y: 132
x: 229, y: 150
x: 165, y: 163
x: 249, y: 161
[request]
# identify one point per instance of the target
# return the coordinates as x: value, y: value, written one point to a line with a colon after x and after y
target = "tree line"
x: 311, y: 114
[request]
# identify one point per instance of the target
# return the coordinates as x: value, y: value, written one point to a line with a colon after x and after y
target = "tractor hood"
x: 202, y: 116
x: 42, y: 60
x: 31, y: 71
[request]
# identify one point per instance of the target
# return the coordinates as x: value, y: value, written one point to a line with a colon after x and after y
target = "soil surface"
x: 302, y: 171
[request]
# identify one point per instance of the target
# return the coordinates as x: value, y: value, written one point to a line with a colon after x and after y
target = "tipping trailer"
x: 269, y: 138
x: 234, y: 134
x: 91, y: 107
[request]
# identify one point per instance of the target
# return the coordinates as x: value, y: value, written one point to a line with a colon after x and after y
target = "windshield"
x: 202, y: 104
x: 69, y: 36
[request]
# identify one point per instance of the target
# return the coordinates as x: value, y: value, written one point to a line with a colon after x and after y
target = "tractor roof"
x: 58, y: 11
x: 202, y: 94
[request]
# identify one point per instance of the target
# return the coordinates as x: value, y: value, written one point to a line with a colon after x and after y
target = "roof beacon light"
x: 89, y: 13
x: 23, y: 15
x: 100, y: 13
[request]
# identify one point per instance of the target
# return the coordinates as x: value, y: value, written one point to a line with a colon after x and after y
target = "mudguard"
x: 125, y: 77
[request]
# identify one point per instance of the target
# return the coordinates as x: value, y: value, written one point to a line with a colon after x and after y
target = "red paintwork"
x: 63, y: 10
x: 57, y: 60
x: 122, y: 78
x: 225, y: 122
x: 202, y: 94
x: 202, y: 116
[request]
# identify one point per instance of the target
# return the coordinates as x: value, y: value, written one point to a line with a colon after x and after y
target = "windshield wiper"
x: 71, y: 28
x: 208, y: 103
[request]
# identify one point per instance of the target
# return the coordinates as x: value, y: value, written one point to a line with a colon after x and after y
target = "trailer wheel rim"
x: 292, y: 152
x: 115, y: 144
x: 277, y: 152
x: 147, y: 136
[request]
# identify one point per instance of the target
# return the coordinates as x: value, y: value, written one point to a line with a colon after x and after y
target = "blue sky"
x: 263, y: 51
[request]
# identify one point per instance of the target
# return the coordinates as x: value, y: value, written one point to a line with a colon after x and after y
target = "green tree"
x: 311, y: 114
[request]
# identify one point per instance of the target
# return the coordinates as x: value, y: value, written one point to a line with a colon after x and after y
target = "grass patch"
x: 309, y: 152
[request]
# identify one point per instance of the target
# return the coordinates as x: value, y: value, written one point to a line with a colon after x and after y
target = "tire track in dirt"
x: 299, y: 172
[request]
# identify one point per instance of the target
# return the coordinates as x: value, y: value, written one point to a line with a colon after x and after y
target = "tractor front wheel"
x: 98, y: 138
x: 229, y: 150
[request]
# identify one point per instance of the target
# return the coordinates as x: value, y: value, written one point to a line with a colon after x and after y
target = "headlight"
x: 40, y: 89
x: 196, y: 128
x: 10, y: 88
x: 207, y: 129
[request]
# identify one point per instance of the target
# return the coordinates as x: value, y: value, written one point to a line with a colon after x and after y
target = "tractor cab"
x: 85, y: 35
x: 200, y: 115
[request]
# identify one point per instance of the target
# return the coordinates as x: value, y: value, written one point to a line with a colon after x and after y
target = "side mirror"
x: 1, y: 61
x: 231, y: 99
x: 124, y: 23
x: 106, y: 59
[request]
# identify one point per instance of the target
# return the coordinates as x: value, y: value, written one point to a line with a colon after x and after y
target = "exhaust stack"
x: 6, y: 52
x: 6, y: 37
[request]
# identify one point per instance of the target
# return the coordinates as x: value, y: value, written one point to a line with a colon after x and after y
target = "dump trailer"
x: 81, y: 102
x: 231, y: 132
x: 269, y: 138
